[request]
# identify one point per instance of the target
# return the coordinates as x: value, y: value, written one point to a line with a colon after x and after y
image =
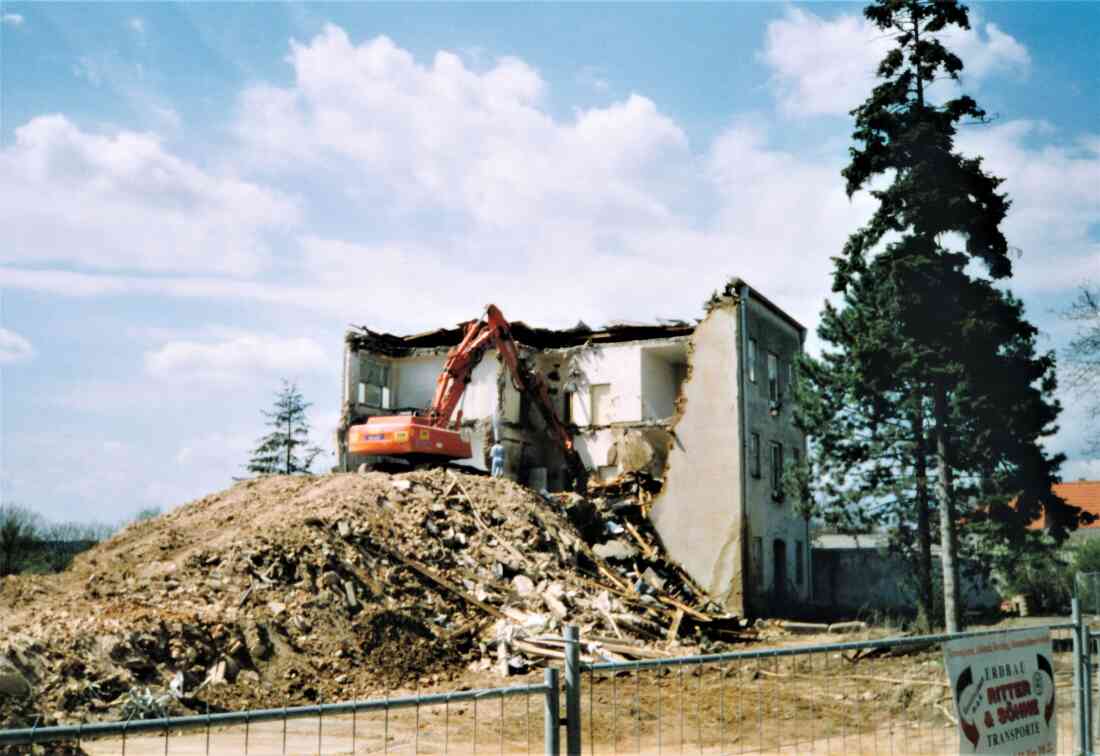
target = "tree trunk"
x: 924, y: 526
x: 945, y: 493
x: 288, y: 444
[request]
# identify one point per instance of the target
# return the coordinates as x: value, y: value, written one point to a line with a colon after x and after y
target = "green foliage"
x: 1086, y: 556
x: 286, y: 450
x: 19, y: 529
x: 30, y: 545
x: 1083, y: 355
x: 1040, y: 570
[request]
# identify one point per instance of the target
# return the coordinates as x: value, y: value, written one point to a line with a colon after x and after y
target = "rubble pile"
x: 297, y: 590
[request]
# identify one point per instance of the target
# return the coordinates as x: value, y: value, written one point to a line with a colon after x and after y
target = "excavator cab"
x: 410, y: 437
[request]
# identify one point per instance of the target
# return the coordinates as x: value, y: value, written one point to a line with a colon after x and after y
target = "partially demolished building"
x: 704, y: 408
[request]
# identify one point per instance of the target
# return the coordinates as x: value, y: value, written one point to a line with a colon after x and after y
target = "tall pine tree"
x: 286, y: 450
x: 931, y: 367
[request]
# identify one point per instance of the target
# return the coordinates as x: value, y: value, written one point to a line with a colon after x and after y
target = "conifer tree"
x: 286, y: 450
x: 1083, y: 355
x: 930, y: 366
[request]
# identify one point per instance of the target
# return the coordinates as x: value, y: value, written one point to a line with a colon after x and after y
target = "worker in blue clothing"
x: 496, y: 455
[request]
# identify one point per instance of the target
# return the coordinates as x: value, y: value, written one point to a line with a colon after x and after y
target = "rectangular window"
x: 752, y: 360
x: 374, y: 385
x: 566, y: 407
x: 777, y: 468
x: 790, y: 374
x: 798, y: 564
x: 773, y: 377
x: 754, y: 455
x: 758, y: 560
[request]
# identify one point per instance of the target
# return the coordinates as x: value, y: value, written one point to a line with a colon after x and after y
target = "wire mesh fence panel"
x: 873, y: 697
x: 497, y: 720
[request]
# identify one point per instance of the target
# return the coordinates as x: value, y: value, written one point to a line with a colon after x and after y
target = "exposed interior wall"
x: 415, y: 378
x: 601, y: 389
x: 610, y: 375
x: 663, y: 371
x: 697, y: 514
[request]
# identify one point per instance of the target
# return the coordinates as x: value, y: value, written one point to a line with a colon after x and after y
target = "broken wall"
x: 623, y: 394
x: 698, y: 513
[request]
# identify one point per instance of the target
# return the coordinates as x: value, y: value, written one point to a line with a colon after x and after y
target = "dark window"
x: 754, y: 455
x: 758, y: 560
x: 777, y: 468
x: 566, y: 407
x: 798, y: 565
x: 374, y: 385
x: 773, y: 377
x: 752, y: 360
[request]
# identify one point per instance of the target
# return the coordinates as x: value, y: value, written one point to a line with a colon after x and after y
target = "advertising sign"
x: 1003, y: 686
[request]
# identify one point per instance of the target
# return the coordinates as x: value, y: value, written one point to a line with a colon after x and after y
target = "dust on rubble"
x: 292, y: 590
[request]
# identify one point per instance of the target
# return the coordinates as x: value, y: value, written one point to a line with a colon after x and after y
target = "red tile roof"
x: 1084, y: 494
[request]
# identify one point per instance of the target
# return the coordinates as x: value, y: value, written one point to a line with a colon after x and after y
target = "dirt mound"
x: 292, y: 590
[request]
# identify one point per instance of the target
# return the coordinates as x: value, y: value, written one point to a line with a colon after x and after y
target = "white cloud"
x: 234, y: 360
x: 11, y: 19
x: 123, y: 202
x: 1055, y: 193
x: 137, y: 26
x: 14, y: 348
x: 393, y: 131
x: 827, y: 66
x: 476, y: 193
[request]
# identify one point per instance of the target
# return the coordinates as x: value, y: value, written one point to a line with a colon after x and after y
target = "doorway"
x: 779, y: 560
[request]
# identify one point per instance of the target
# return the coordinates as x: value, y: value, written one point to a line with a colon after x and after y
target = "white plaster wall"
x: 415, y: 379
x: 697, y: 514
x: 614, y: 364
x: 593, y: 447
x: 658, y: 387
x: 481, y: 395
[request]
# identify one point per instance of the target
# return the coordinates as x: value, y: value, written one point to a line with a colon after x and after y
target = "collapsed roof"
x: 361, y: 337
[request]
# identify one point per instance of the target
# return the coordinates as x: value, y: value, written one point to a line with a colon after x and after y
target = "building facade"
x: 704, y: 407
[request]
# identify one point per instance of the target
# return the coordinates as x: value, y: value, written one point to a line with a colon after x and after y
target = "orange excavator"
x: 432, y: 436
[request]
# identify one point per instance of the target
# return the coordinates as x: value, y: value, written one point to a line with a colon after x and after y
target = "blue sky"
x: 197, y: 199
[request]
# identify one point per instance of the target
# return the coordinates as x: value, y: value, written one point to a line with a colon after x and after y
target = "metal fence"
x: 887, y: 696
x: 864, y: 697
x: 470, y: 721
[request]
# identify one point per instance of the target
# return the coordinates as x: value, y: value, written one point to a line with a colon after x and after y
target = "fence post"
x: 1086, y: 683
x: 1080, y: 702
x: 572, y: 691
x: 551, y: 714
